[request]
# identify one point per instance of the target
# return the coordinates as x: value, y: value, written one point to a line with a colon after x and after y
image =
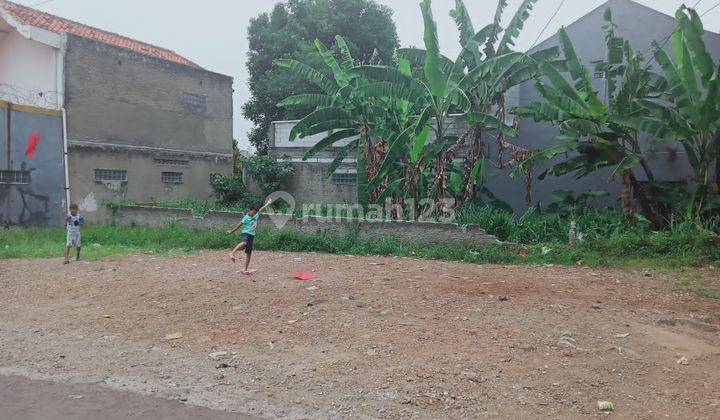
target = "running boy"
x: 73, y: 220
x: 249, y: 226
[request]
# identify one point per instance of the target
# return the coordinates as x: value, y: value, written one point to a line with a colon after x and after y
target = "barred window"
x: 344, y: 178
x: 172, y: 177
x: 194, y: 100
x: 110, y: 175
x: 15, y: 177
x: 172, y: 162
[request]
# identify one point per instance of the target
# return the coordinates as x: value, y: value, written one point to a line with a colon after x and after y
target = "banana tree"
x: 466, y: 89
x: 599, y: 135
x: 338, y: 111
x: 690, y: 113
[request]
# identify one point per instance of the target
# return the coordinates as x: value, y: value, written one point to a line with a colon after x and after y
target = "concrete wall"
x: 40, y: 201
x: 117, y: 96
x: 407, y: 232
x: 28, y: 70
x: 144, y: 177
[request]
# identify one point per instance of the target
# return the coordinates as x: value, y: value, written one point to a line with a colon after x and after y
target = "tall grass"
x: 677, y: 248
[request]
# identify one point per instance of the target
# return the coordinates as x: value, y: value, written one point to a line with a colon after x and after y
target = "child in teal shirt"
x: 249, y: 226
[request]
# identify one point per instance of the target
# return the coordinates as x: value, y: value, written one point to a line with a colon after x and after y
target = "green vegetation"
x: 386, y: 112
x: 680, y: 247
x: 288, y: 32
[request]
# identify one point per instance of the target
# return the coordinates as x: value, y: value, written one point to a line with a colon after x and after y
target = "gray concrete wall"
x: 114, y: 95
x: 39, y: 202
x: 144, y: 178
x: 407, y: 232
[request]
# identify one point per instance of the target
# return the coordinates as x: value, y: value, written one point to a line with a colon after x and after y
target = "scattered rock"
x: 683, y: 361
x: 75, y: 397
x: 312, y: 288
x: 646, y: 273
x: 218, y: 355
x: 241, y: 308
x: 622, y: 335
x: 503, y: 298
x: 316, y: 302
x: 173, y: 336
x: 222, y: 366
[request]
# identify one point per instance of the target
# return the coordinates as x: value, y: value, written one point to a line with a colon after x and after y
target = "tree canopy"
x: 289, y: 32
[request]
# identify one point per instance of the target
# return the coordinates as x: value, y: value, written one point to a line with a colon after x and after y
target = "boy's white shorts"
x: 73, y: 240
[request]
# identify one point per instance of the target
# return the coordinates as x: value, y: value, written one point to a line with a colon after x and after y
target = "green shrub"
x: 270, y: 174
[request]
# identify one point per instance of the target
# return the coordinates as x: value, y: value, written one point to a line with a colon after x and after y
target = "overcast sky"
x: 213, y: 33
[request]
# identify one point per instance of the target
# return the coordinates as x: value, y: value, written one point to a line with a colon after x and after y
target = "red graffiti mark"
x: 33, y: 140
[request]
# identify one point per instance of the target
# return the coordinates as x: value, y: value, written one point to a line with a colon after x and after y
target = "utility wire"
x: 711, y: 9
x: 41, y: 3
x: 562, y: 2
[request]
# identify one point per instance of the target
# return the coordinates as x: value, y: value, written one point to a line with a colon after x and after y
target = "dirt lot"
x: 379, y: 338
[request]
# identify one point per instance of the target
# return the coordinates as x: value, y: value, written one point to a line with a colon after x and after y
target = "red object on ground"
x: 33, y: 140
x: 523, y: 252
x: 304, y: 276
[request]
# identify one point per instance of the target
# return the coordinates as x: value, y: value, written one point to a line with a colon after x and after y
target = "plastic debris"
x: 622, y: 335
x: 683, y: 361
x: 304, y: 276
x: 606, y: 406
x: 311, y: 288
x: 297, y: 259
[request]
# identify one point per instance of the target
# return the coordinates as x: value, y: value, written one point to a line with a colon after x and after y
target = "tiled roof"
x: 32, y: 17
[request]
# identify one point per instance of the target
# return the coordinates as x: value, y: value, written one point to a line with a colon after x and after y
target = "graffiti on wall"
x: 31, y: 168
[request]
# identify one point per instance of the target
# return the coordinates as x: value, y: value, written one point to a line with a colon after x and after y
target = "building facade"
x: 136, y: 120
x: 638, y: 24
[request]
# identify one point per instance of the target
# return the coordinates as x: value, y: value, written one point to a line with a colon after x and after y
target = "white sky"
x: 213, y: 33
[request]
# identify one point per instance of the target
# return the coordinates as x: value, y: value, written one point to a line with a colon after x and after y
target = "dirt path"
x: 402, y: 339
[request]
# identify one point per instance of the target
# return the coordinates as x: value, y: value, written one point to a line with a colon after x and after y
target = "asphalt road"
x: 25, y: 399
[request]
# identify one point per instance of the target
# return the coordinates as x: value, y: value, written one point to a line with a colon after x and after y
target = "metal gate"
x: 32, y: 180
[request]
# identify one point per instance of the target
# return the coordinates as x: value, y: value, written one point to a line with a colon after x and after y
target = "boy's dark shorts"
x: 248, y: 240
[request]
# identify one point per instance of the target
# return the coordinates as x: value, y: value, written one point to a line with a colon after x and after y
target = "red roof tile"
x: 32, y: 17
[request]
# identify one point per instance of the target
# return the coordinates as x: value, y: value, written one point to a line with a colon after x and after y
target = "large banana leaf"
x: 497, y: 20
x: 309, y: 99
x: 463, y: 21
x: 329, y: 141
x: 580, y: 74
x: 515, y: 26
x: 347, y: 61
x: 310, y: 74
x: 318, y: 116
x: 339, y: 74
x: 434, y: 75
x: 341, y: 155
x: 693, y: 32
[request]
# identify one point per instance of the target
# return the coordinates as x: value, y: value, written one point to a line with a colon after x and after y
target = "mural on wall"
x: 32, y: 179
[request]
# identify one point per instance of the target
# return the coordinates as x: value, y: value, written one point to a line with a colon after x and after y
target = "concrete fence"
x: 407, y: 232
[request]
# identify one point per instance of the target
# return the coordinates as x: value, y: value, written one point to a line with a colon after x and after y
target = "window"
x: 172, y: 162
x: 599, y: 75
x: 15, y: 177
x: 195, y: 101
x: 110, y: 175
x: 172, y: 177
x: 343, y: 179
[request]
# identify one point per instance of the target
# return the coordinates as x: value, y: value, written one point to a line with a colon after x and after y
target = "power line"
x: 711, y: 9
x: 562, y: 2
x: 41, y: 3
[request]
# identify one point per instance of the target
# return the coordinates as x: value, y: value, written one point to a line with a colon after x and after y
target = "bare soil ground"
x: 374, y: 337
